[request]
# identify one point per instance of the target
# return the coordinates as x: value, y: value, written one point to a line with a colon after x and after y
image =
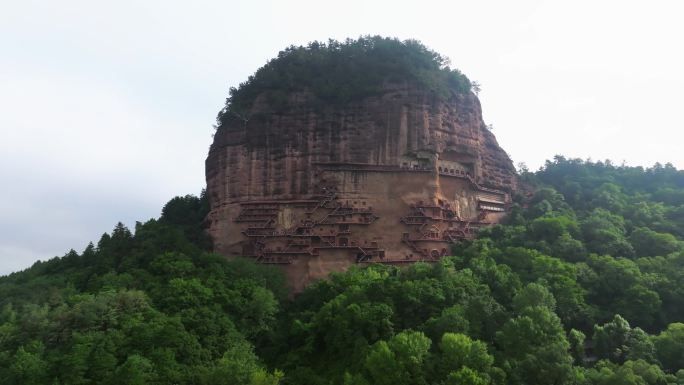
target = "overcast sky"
x: 107, y: 107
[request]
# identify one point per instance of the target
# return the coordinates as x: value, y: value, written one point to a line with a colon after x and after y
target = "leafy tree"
x: 576, y: 339
x: 136, y: 370
x: 463, y: 359
x: 399, y: 361
x: 452, y: 319
x: 631, y: 372
x: 604, y: 233
x: 567, y: 248
x: 536, y: 349
x: 466, y: 376
x: 239, y: 365
x: 188, y: 213
x: 28, y: 366
x: 669, y: 346
x: 617, y: 341
x: 618, y: 287
x: 648, y: 243
x: 534, y: 295
x: 610, y: 197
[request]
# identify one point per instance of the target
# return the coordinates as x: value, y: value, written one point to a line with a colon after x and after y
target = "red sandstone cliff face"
x: 393, y: 178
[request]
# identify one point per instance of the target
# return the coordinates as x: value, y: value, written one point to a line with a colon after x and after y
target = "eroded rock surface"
x: 394, y: 178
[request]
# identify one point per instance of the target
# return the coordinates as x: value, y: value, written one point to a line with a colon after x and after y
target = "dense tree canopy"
x: 584, y: 284
x: 340, y: 72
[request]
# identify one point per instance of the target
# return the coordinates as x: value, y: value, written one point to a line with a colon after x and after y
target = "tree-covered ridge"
x: 150, y: 307
x: 583, y: 285
x: 583, y: 290
x: 339, y: 72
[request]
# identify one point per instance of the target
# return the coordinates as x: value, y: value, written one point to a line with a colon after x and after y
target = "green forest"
x: 583, y: 284
x: 337, y: 72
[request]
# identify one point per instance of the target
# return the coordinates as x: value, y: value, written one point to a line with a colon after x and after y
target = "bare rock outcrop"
x: 392, y: 178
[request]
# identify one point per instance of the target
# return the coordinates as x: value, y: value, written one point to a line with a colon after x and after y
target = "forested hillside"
x: 584, y: 284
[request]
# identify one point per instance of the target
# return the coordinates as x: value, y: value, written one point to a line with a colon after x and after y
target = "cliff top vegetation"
x: 340, y: 72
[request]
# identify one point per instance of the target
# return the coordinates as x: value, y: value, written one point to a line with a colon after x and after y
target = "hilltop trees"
x: 343, y: 72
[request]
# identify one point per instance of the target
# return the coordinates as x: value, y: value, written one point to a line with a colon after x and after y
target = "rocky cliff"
x: 392, y: 178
